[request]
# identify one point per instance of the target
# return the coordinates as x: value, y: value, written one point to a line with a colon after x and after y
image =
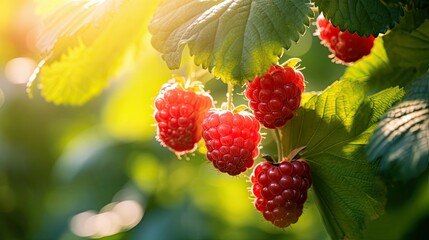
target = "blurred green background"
x: 96, y: 171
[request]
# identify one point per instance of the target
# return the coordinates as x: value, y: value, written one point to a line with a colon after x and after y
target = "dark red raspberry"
x: 276, y: 95
x: 179, y: 112
x: 345, y: 46
x: 281, y: 190
x: 231, y: 139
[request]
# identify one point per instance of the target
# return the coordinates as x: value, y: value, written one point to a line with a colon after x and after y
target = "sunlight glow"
x: 112, y: 219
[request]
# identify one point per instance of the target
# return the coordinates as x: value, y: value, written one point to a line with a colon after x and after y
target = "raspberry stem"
x: 294, y: 154
x: 230, y: 105
x: 278, y: 137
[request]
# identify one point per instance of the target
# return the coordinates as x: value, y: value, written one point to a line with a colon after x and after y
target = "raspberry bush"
x: 328, y: 123
x: 367, y: 123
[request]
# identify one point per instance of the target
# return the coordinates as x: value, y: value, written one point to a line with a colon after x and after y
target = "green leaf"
x: 412, y: 19
x: 401, y: 140
x: 378, y: 71
x: 362, y: 16
x: 411, y: 49
x: 335, y: 125
x: 234, y: 39
x: 85, y: 47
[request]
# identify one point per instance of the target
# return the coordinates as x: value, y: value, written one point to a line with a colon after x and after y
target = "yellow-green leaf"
x: 84, y: 53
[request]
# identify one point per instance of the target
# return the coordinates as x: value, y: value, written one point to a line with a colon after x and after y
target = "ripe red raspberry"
x: 231, y: 139
x: 281, y: 190
x: 179, y: 113
x: 345, y: 46
x: 276, y: 95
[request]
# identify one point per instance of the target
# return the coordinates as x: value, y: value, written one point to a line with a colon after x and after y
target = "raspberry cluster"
x: 231, y: 139
x: 345, y: 46
x: 184, y: 114
x: 280, y: 190
x: 276, y: 95
x: 179, y: 113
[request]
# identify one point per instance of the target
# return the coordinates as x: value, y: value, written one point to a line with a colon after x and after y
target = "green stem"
x: 230, y: 105
x: 278, y: 137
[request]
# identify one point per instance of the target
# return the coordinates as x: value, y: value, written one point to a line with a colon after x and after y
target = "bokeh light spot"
x: 19, y: 70
x: 130, y: 213
x: 113, y: 218
x: 80, y: 224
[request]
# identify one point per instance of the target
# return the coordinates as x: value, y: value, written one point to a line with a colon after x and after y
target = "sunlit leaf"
x: 401, y: 140
x: 363, y: 16
x: 235, y: 39
x: 87, y: 47
x: 335, y: 125
x: 378, y: 71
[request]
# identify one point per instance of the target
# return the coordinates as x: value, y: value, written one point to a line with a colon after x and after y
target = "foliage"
x: 84, y: 44
x: 346, y: 128
x: 409, y: 46
x: 235, y: 39
x: 378, y: 71
x: 335, y: 126
x: 400, y: 138
x: 362, y: 16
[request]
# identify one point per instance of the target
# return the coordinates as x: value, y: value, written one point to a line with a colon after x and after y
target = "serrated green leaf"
x: 410, y: 49
x: 235, y: 39
x: 378, y: 71
x: 412, y: 19
x: 81, y: 61
x: 401, y: 140
x: 362, y: 16
x: 336, y: 125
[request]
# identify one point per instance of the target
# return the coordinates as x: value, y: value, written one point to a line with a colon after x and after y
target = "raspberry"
x: 231, y: 139
x: 345, y: 46
x: 179, y: 113
x: 281, y: 190
x: 276, y: 95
